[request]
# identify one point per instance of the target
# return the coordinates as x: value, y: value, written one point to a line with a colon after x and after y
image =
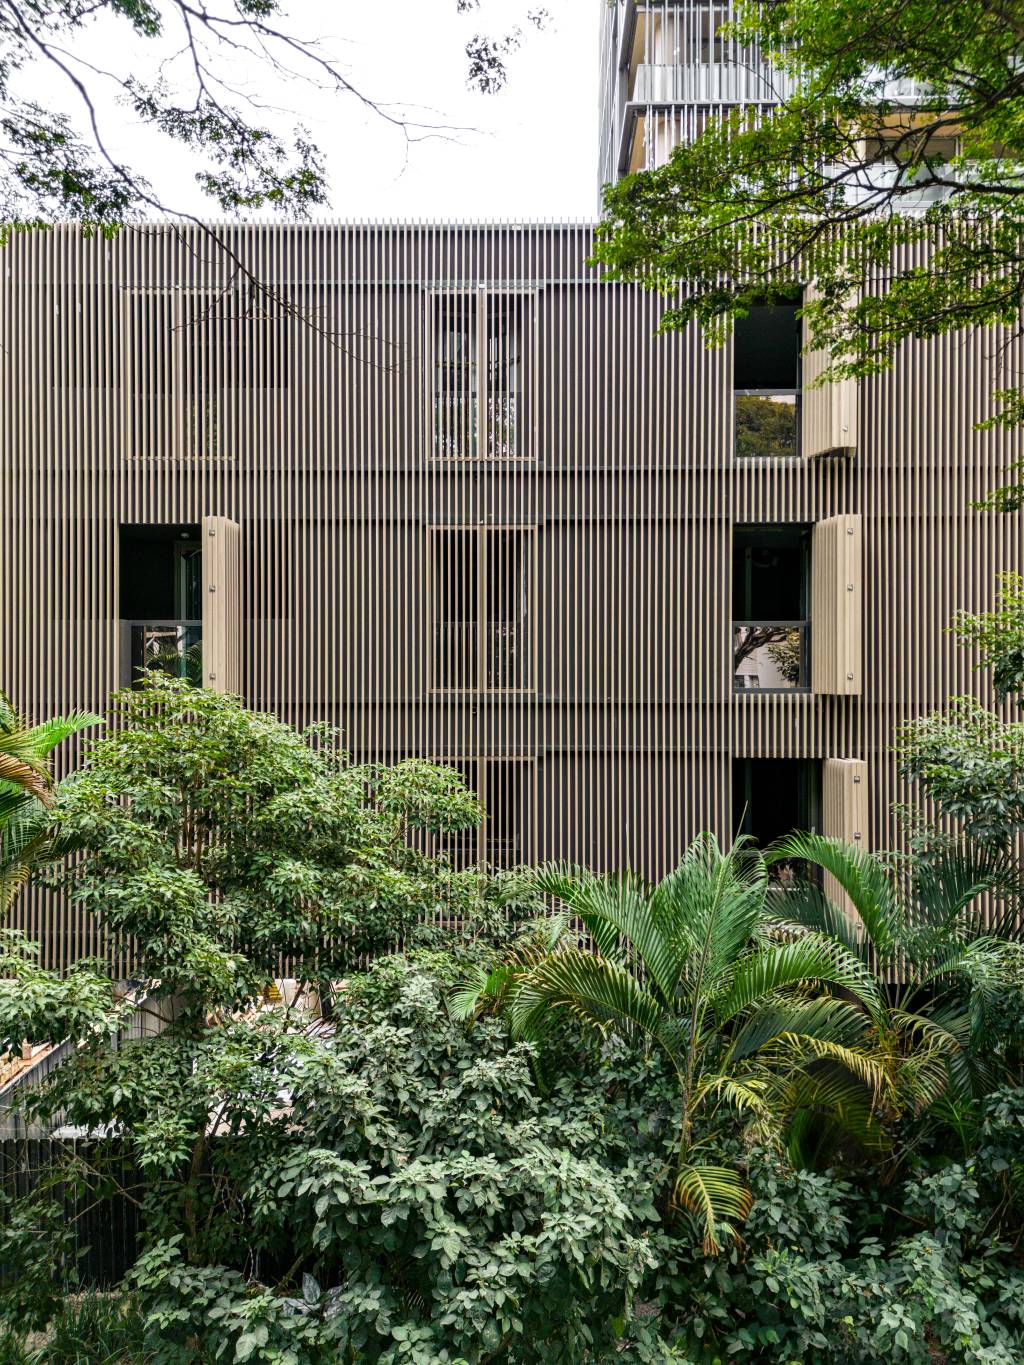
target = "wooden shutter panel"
x: 836, y: 606
x: 829, y: 415
x: 844, y: 812
x: 222, y: 664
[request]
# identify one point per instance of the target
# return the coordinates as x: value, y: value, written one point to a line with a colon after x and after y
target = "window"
x: 481, y: 586
x: 478, y: 342
x: 766, y: 380
x: 161, y: 601
x: 770, y: 625
x: 190, y: 361
x: 773, y: 797
x: 503, y: 787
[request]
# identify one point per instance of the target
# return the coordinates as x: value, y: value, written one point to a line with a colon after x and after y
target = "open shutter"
x: 836, y: 593
x: 221, y: 605
x: 844, y: 812
x: 829, y: 416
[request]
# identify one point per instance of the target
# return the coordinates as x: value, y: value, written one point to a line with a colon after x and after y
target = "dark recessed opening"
x: 771, y: 571
x: 766, y: 380
x: 767, y: 347
x: 772, y: 797
x: 161, y: 573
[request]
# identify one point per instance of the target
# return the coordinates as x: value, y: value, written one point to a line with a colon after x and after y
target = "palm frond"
x: 598, y: 993
x: 828, y: 1113
x: 49, y: 733
x: 804, y: 905
x: 864, y: 879
x: 749, y: 1096
x: 620, y: 915
x: 822, y: 1017
x: 814, y: 957
x: 861, y: 1065
x: 717, y: 899
x: 718, y: 1199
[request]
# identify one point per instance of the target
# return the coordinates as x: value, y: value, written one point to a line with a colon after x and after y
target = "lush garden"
x: 575, y: 1118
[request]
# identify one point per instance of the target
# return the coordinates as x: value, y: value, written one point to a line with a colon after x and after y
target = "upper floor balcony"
x: 739, y: 81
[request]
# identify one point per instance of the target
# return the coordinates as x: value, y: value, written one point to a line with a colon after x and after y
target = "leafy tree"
x: 970, y: 763
x: 28, y: 840
x: 968, y: 760
x: 842, y: 176
x: 217, y: 843
x: 59, y: 167
x: 750, y: 1027
x: 999, y: 637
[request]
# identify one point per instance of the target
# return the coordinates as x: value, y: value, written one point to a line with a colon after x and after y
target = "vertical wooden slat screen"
x: 829, y: 413
x: 611, y: 534
x: 844, y: 812
x: 837, y: 593
x: 221, y: 644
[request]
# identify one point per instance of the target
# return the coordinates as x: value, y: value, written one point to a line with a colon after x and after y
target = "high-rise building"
x: 666, y: 67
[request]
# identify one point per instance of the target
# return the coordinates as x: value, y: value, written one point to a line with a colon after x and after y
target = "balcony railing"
x: 770, y: 656
x: 739, y: 80
x: 767, y: 422
x: 172, y: 647
x: 460, y: 666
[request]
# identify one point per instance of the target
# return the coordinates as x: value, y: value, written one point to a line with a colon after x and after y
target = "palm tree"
x: 27, y: 837
x: 751, y: 1027
x: 933, y: 933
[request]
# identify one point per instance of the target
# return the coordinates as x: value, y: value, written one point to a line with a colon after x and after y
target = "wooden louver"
x: 221, y: 644
x: 829, y: 413
x: 844, y: 812
x: 836, y: 606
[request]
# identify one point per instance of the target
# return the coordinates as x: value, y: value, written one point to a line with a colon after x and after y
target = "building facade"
x: 446, y: 489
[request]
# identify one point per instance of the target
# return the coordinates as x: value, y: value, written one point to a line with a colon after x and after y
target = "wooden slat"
x: 837, y: 591
x: 830, y: 412
x: 844, y: 812
x: 221, y: 605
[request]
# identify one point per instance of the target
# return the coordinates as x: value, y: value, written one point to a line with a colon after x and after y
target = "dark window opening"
x: 161, y: 609
x: 766, y: 380
x: 481, y: 606
x: 503, y: 788
x: 773, y: 797
x: 771, y: 606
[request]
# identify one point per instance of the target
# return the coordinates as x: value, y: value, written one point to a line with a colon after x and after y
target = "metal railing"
x: 172, y: 646
x: 767, y: 422
x: 771, y: 656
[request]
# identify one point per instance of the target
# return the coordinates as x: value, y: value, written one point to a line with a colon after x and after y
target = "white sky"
x: 529, y: 152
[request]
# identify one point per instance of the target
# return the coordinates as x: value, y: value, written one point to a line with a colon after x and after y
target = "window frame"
x: 479, y: 388
x: 433, y: 595
x: 480, y: 763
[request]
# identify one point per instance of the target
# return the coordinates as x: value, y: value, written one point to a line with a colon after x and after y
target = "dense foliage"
x: 700, y: 1121
x: 28, y: 839
x: 754, y: 1030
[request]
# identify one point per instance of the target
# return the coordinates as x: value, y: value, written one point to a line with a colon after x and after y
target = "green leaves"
x: 221, y: 842
x: 719, y: 1200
